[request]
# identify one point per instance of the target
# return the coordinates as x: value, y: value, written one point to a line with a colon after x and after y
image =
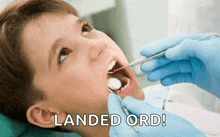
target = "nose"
x: 96, y: 50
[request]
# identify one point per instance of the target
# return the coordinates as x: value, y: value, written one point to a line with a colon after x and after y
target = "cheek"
x: 81, y: 93
x: 85, y: 101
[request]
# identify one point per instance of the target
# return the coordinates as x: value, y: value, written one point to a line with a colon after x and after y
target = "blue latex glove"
x: 176, y: 126
x: 186, y: 60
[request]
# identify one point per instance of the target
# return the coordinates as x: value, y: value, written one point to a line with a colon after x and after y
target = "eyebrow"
x: 58, y: 42
x: 80, y: 21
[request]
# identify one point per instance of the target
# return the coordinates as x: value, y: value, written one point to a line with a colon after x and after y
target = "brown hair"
x: 16, y: 74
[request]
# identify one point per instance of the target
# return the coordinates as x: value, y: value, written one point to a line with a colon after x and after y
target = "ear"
x: 44, y: 117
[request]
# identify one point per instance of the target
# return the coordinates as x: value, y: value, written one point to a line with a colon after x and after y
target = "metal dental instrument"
x: 127, y: 114
x: 134, y: 63
x: 162, y: 53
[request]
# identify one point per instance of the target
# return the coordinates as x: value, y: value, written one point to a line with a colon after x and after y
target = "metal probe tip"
x: 127, y: 114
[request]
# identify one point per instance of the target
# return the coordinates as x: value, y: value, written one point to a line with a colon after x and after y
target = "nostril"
x: 96, y: 51
x: 103, y: 48
x: 100, y: 52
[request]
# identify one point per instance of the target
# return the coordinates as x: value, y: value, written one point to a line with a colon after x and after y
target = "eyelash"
x: 63, y: 51
x: 87, y: 27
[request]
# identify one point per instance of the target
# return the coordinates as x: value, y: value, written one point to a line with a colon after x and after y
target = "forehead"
x: 47, y: 23
x: 39, y: 35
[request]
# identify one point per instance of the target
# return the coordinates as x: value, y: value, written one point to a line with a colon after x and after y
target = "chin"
x: 130, y: 86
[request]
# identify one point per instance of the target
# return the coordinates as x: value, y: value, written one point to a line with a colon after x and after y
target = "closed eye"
x: 64, y: 52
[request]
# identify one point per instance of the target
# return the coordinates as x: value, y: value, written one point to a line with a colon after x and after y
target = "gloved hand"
x: 188, y: 59
x: 176, y: 126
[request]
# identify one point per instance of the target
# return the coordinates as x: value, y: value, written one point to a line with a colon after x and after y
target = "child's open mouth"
x: 123, y: 75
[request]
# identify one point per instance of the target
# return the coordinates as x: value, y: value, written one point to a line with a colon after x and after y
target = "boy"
x: 53, y: 62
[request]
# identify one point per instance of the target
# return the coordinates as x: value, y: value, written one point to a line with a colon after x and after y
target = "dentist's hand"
x: 176, y: 126
x: 186, y: 60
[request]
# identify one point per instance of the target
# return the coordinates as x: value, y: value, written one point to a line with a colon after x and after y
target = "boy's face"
x: 71, y: 63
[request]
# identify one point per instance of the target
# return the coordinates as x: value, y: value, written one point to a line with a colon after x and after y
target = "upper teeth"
x: 111, y: 65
